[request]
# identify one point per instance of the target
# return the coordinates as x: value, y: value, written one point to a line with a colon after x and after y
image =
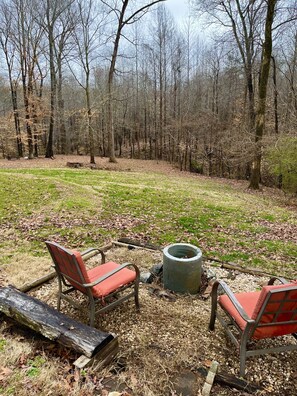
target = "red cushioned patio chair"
x: 103, y: 284
x: 269, y: 313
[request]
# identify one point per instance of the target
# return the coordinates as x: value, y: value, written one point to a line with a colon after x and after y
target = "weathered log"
x: 51, y: 323
x: 134, y: 243
x: 232, y: 381
x: 74, y: 164
x: 100, y: 359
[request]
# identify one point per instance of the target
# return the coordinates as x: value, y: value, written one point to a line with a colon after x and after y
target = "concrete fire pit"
x: 182, y: 264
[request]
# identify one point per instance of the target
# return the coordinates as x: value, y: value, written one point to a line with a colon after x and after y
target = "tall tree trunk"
x: 121, y: 24
x: 13, y: 90
x: 261, y: 108
x: 110, y: 131
x: 90, y: 130
x: 275, y: 94
x: 50, y: 142
x: 53, y: 80
x: 62, y: 128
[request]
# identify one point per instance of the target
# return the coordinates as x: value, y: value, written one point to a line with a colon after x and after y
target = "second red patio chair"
x: 271, y: 312
x: 103, y: 285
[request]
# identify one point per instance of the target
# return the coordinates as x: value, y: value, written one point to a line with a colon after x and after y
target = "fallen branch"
x: 38, y: 282
x: 134, y: 243
x: 237, y: 267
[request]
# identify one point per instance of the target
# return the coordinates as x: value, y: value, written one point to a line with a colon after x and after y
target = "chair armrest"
x: 232, y: 298
x: 280, y: 279
x: 109, y: 274
x: 91, y: 252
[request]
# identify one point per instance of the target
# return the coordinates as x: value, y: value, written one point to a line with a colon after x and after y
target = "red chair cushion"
x: 81, y: 264
x: 65, y: 261
x: 252, y: 303
x: 247, y: 300
x: 112, y: 283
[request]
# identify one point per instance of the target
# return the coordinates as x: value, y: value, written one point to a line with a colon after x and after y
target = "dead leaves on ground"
x: 5, y: 373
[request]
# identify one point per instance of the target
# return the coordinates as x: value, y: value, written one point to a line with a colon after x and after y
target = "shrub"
x: 282, y: 159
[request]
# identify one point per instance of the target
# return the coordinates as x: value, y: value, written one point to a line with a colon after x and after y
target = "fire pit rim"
x: 197, y: 252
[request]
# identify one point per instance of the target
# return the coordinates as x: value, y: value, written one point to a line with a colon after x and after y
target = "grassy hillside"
x: 80, y: 208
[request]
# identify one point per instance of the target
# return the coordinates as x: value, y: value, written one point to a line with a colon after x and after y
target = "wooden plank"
x: 210, y: 378
x: 51, y: 323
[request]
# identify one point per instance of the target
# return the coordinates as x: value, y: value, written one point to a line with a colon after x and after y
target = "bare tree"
x: 51, y: 20
x: 263, y: 81
x: 87, y: 41
x: 123, y: 21
x: 249, y: 21
x: 9, y: 49
x: 27, y: 37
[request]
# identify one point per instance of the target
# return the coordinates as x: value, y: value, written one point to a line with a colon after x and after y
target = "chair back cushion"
x: 69, y: 264
x: 276, y: 311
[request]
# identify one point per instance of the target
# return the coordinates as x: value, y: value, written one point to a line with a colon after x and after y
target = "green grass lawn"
x: 81, y: 208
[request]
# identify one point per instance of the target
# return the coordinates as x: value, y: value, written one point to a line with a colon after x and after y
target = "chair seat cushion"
x: 247, y: 300
x: 112, y: 283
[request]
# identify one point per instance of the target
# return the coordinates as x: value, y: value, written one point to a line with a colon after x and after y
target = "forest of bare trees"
x: 216, y: 95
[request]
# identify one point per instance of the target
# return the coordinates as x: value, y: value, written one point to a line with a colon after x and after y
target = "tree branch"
x: 144, y: 8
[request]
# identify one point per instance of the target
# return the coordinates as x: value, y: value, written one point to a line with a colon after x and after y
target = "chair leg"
x: 136, y: 296
x: 92, y: 311
x: 242, y: 354
x: 59, y: 294
x: 214, y: 304
x: 59, y: 302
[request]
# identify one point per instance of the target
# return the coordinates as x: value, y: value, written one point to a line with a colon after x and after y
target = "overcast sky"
x: 178, y: 8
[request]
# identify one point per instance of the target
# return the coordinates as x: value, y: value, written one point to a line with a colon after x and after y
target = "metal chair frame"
x: 246, y: 335
x: 65, y: 283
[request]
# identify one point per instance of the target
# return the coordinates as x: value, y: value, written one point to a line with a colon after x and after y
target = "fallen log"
x: 52, y: 324
x: 232, y: 381
x: 74, y: 164
x: 105, y: 357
